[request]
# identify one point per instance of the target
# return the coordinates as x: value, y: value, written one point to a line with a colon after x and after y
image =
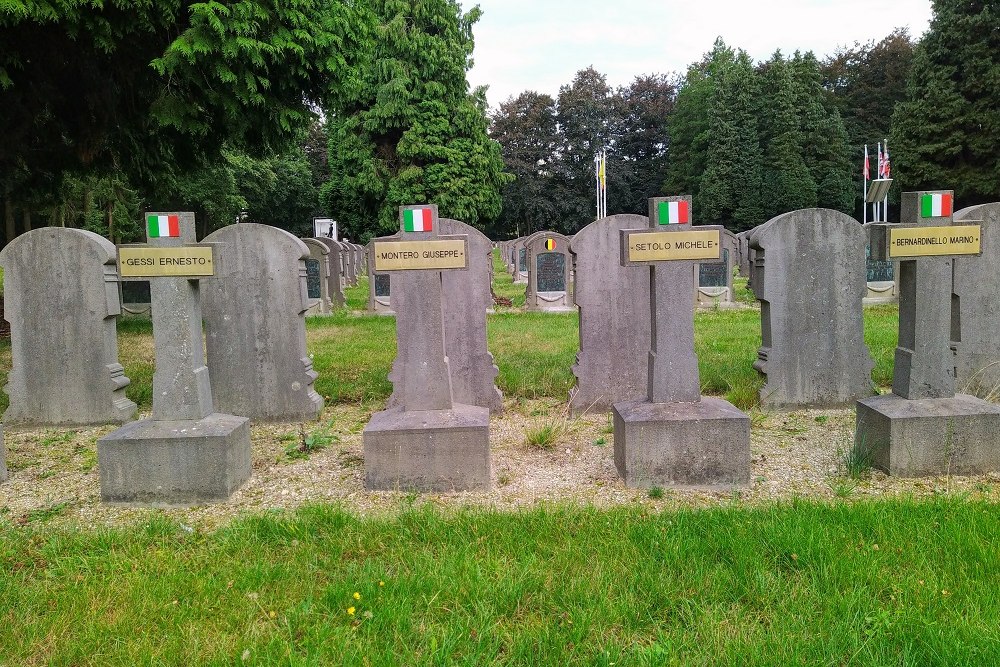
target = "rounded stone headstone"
x: 977, y: 285
x: 254, y: 312
x: 613, y: 362
x: 335, y: 287
x: 318, y: 276
x: 549, y: 266
x: 61, y: 300
x: 809, y: 276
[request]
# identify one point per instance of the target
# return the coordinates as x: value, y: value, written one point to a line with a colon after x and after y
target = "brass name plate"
x: 934, y: 241
x: 179, y: 262
x: 665, y: 246
x: 409, y: 255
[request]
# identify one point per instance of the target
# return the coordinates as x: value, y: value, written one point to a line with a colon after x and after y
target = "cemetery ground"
x: 820, y: 560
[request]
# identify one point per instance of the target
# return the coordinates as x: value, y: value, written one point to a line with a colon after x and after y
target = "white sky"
x: 540, y: 44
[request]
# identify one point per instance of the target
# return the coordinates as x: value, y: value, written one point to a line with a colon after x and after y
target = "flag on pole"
x: 867, y: 168
x: 602, y: 174
x: 417, y: 220
x: 935, y: 205
x: 674, y: 213
x: 163, y: 226
x: 887, y: 168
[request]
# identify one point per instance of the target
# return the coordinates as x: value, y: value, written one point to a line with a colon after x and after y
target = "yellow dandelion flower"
x: 381, y: 583
x: 350, y: 611
x: 357, y: 596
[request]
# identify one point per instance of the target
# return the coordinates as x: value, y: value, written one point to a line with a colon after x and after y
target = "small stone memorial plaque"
x: 878, y: 271
x: 715, y: 275
x: 522, y: 259
x: 382, y: 284
x: 551, y: 268
x: 135, y: 291
x: 313, y: 286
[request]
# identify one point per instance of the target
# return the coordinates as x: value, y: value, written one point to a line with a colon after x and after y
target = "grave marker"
x: 335, y: 287
x: 318, y: 276
x: 549, y: 265
x: 429, y: 442
x: 61, y: 299
x: 977, y: 287
x: 923, y: 427
x: 676, y: 436
x: 186, y: 453
x: 379, y: 287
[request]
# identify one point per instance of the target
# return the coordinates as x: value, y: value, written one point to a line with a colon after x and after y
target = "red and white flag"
x: 867, y: 169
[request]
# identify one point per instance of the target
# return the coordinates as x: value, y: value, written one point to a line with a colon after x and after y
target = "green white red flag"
x: 417, y: 220
x: 163, y: 226
x: 674, y: 212
x: 936, y: 205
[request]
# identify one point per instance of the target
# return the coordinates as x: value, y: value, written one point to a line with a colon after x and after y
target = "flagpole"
x: 885, y: 202
x: 864, y: 197
x: 597, y: 185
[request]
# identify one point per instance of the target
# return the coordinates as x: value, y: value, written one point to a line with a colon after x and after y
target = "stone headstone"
x: 743, y: 241
x: 379, y: 288
x: 549, y: 263
x: 335, y: 286
x: 923, y: 427
x: 521, y: 274
x: 977, y: 286
x: 714, y: 280
x: 675, y: 436
x: 466, y: 298
x: 255, y: 325
x: 135, y: 297
x: 351, y: 264
x: 427, y: 442
x: 318, y: 276
x: 613, y: 299
x: 880, y: 276
x: 186, y: 453
x: 810, y: 289
x: 61, y: 300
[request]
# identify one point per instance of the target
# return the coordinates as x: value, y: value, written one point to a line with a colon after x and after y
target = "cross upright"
x: 925, y: 243
x: 673, y: 365
x: 417, y: 300
x: 181, y: 388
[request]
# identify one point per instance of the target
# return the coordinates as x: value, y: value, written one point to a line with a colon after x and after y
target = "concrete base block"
x: 428, y: 450
x: 175, y: 463
x: 698, y: 445
x: 930, y: 436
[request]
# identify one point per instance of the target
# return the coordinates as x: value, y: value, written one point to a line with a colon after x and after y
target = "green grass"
x: 898, y: 583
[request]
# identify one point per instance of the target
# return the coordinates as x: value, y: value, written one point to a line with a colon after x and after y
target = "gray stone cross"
x: 181, y: 388
x: 417, y: 301
x: 673, y: 365
x: 928, y: 314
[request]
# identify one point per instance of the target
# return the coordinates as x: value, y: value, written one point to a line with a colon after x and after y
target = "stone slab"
x: 428, y: 450
x: 175, y: 463
x: 703, y: 444
x: 4, y: 475
x: 931, y: 436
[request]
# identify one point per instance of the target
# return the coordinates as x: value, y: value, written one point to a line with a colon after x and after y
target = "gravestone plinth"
x: 676, y: 437
x: 186, y: 453
x: 924, y: 427
x: 427, y: 442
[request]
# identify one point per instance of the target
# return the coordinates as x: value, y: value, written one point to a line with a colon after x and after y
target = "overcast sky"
x: 540, y: 44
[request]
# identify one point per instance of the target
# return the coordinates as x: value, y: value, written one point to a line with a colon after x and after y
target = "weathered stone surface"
x: 466, y: 298
x: 676, y: 436
x: 936, y: 436
x: 701, y: 444
x: 743, y: 245
x: 4, y: 475
x: 379, y: 286
x: 880, y: 276
x: 520, y: 272
x: 612, y: 364
x: 811, y: 284
x: 61, y: 299
x: 351, y: 263
x: 255, y: 325
x: 435, y: 450
x: 549, y: 266
x: 318, y: 276
x: 173, y: 463
x: 977, y: 286
x: 335, y: 287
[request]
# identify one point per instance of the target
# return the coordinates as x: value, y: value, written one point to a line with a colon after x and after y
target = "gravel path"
x: 797, y: 454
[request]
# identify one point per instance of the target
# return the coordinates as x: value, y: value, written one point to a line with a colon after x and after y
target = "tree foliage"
x: 947, y: 133
x: 411, y: 131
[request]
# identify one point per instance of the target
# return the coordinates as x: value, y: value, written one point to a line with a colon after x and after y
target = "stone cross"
x: 426, y: 379
x: 925, y: 242
x: 181, y: 389
x: 673, y: 365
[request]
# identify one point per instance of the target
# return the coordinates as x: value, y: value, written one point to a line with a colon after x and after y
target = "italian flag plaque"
x: 674, y: 213
x: 935, y: 205
x: 417, y: 220
x: 163, y: 226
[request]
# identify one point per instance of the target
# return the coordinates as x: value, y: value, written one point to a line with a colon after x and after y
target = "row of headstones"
x: 808, y: 273
x: 332, y: 266
x: 541, y: 259
x: 637, y: 357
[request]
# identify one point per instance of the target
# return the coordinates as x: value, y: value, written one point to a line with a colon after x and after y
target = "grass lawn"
x: 898, y: 583
x: 842, y: 582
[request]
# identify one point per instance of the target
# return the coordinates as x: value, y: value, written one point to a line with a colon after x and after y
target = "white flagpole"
x: 864, y: 177
x: 597, y: 185
x: 885, y: 202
